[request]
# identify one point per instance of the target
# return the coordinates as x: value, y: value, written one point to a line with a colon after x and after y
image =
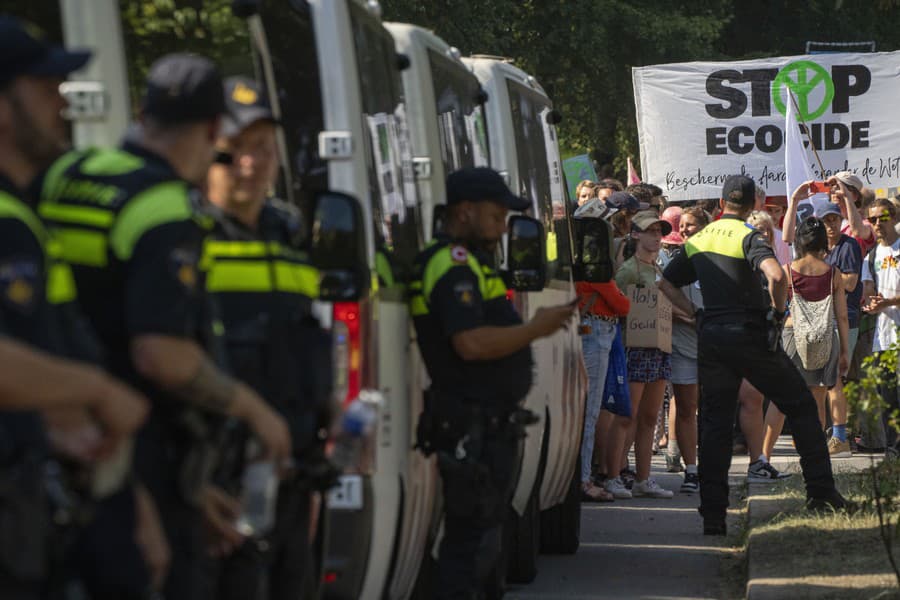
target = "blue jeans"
x: 596, y: 346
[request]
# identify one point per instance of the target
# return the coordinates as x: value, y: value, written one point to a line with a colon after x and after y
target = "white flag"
x: 796, y: 159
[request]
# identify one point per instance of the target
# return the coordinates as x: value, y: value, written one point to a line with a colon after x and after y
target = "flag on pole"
x: 797, y: 164
x: 633, y: 176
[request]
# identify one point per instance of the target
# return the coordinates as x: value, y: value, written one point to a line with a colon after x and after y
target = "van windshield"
x: 388, y: 154
x: 461, y: 126
x: 539, y: 170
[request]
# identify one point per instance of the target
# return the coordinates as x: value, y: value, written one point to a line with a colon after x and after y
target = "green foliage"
x: 865, y: 397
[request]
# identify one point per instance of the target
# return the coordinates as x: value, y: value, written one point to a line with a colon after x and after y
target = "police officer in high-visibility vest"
x: 477, y: 352
x: 129, y: 223
x: 739, y: 334
x: 264, y: 287
x: 38, y: 309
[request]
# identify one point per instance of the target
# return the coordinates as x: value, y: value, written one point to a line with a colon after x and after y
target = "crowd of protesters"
x: 840, y: 252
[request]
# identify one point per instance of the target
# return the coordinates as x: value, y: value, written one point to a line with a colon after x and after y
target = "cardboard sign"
x: 649, y: 322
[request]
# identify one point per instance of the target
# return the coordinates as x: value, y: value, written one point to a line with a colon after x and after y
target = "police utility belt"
x: 453, y: 423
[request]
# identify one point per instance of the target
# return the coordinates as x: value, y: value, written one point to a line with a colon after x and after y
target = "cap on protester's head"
x: 827, y: 208
x: 183, y: 88
x: 672, y: 216
x: 739, y: 189
x: 776, y: 201
x: 480, y: 184
x: 848, y: 178
x: 625, y: 201
x: 646, y: 219
x: 25, y: 51
x: 594, y: 209
x: 246, y: 103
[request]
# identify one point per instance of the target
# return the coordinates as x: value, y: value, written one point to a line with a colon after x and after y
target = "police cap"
x: 246, y: 103
x: 477, y: 184
x: 183, y: 88
x: 25, y: 51
x: 740, y: 190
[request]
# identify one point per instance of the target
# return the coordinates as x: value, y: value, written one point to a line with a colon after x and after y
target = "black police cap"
x: 478, y: 184
x: 246, y: 103
x: 183, y: 88
x: 739, y: 189
x: 25, y: 51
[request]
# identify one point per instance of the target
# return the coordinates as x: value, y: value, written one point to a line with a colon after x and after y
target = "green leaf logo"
x: 802, y: 78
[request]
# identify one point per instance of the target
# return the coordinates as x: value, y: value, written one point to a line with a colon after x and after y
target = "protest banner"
x: 649, y: 322
x: 702, y: 121
x: 577, y: 169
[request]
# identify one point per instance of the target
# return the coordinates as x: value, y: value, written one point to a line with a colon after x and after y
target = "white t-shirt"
x: 887, y: 269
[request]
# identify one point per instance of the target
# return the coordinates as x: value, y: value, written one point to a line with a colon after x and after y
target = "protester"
x: 604, y: 190
x: 847, y: 192
x: 683, y: 411
x: 649, y: 369
x: 763, y: 221
x: 626, y: 207
x: 817, y: 302
x: 776, y: 206
x: 584, y: 191
x: 601, y: 305
x: 881, y: 297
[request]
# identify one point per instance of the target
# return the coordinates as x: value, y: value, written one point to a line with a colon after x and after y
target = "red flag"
x: 633, y: 176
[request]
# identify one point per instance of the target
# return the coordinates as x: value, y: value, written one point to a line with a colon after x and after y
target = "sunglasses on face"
x: 885, y: 218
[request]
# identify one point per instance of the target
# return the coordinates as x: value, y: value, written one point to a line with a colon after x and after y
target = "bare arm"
x: 490, y: 343
x: 181, y: 367
x: 840, y: 313
x: 676, y: 297
x: 790, y: 216
x: 854, y: 219
x: 849, y: 281
x: 777, y: 282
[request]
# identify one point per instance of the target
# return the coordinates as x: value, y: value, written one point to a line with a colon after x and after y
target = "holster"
x: 443, y: 422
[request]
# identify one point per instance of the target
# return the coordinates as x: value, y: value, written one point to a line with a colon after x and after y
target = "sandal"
x: 593, y: 493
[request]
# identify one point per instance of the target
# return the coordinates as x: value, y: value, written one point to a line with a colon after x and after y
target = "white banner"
x: 700, y: 122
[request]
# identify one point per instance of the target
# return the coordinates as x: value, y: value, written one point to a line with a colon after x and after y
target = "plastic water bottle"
x: 356, y: 423
x: 259, y: 494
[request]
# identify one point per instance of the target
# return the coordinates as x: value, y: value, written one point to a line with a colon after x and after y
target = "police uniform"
x: 133, y: 232
x: 734, y: 344
x: 467, y: 408
x: 263, y: 286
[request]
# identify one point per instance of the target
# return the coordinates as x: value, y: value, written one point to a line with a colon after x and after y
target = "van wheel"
x: 524, y: 541
x: 561, y: 524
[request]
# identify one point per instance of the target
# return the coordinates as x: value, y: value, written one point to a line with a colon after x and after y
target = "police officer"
x: 738, y: 339
x: 37, y: 308
x: 130, y: 226
x: 264, y: 286
x: 477, y: 352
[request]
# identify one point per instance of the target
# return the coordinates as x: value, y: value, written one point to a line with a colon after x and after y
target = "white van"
x: 336, y: 78
x: 524, y: 148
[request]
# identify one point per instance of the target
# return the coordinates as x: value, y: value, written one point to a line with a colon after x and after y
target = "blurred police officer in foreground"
x: 130, y: 227
x: 89, y: 415
x: 739, y: 335
x: 264, y: 287
x: 477, y: 352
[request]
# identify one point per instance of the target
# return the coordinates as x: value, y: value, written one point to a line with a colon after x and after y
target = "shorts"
x: 646, y: 365
x: 827, y: 376
x: 684, y: 370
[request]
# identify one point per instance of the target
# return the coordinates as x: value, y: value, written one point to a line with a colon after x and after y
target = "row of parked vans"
x: 383, y: 112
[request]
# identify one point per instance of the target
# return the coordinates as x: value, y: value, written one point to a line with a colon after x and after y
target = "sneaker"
x: 839, y: 449
x: 691, y: 483
x: 650, y: 489
x: 761, y: 471
x: 617, y: 489
x: 673, y: 463
x: 832, y: 502
x: 627, y: 476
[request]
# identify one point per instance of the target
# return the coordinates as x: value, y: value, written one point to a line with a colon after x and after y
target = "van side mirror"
x: 526, y: 255
x: 338, y: 247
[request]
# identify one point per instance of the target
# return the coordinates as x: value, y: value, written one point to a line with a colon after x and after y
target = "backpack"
x: 813, y: 327
x: 594, y: 256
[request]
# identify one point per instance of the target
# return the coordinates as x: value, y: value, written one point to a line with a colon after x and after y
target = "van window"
x: 461, y: 126
x: 388, y: 154
x: 539, y: 176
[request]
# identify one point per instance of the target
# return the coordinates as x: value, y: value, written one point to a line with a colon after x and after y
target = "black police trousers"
x: 279, y: 566
x: 728, y: 353
x: 477, y: 493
